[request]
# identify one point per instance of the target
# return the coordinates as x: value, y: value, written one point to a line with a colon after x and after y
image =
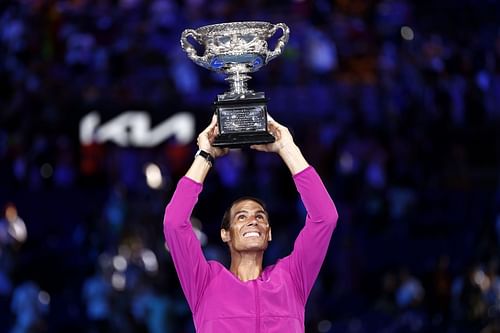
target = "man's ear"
x: 225, y: 235
x: 270, y: 236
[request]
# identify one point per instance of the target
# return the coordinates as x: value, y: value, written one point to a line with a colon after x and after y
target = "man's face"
x: 249, y: 228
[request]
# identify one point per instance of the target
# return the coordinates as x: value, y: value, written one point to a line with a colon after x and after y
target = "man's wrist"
x: 288, y: 148
x: 293, y: 158
x: 205, y: 155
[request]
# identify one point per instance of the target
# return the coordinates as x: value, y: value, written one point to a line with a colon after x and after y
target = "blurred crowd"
x: 396, y: 103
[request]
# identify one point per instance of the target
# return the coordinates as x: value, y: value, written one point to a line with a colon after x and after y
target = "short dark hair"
x: 226, y: 219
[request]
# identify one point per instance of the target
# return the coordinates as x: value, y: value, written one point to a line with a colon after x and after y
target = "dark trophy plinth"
x: 237, y: 49
x: 242, y: 121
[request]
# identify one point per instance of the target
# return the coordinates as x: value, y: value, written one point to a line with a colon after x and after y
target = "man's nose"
x: 252, y: 221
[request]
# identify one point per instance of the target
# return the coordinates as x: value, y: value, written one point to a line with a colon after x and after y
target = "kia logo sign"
x: 133, y: 129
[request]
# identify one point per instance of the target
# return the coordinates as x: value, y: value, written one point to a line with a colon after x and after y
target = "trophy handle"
x: 281, y: 41
x: 189, y: 48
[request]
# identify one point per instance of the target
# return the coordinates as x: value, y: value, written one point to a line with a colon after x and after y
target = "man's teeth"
x: 251, y: 234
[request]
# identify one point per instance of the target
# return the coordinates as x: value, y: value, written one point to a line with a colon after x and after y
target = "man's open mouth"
x: 251, y: 234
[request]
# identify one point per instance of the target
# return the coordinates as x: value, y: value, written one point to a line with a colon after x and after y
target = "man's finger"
x: 214, y: 119
x: 274, y: 127
x: 275, y: 123
x: 212, y: 125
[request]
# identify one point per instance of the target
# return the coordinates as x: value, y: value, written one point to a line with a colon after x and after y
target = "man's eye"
x: 260, y: 217
x: 241, y: 217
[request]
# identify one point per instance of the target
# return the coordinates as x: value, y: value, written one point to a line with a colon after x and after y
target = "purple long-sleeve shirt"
x: 275, y: 301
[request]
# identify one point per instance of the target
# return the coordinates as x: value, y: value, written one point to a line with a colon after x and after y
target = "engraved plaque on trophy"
x: 237, y: 49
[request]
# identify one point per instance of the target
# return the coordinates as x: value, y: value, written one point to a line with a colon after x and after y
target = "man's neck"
x: 246, y: 266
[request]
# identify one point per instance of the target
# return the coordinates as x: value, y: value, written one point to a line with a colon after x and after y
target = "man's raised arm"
x: 311, y: 245
x: 185, y: 249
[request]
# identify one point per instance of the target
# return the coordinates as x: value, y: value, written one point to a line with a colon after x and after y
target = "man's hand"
x: 280, y: 133
x: 206, y: 138
x: 284, y: 146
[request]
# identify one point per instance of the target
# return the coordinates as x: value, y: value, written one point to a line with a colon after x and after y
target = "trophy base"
x: 240, y: 140
x: 242, y: 120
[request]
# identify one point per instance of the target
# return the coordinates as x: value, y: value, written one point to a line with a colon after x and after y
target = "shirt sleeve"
x: 185, y: 249
x: 311, y: 245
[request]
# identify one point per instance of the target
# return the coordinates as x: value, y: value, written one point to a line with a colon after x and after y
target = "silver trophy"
x: 237, y: 49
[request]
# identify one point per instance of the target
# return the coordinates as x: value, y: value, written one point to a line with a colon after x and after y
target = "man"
x: 248, y: 298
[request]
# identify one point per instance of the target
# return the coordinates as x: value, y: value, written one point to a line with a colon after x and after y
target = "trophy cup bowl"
x: 237, y: 49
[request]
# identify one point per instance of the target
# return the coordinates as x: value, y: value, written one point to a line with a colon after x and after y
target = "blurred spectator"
x: 439, y: 299
x: 386, y: 301
x: 30, y: 305
x: 96, y: 294
x: 491, y: 289
x: 410, y: 292
x: 12, y: 228
x: 13, y: 234
x: 321, y: 55
x: 157, y: 310
x: 468, y: 304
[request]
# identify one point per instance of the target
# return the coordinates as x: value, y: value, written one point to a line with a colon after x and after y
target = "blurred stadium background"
x: 395, y: 102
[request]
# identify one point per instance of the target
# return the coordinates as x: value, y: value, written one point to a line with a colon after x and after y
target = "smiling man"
x: 248, y: 297
x: 245, y: 228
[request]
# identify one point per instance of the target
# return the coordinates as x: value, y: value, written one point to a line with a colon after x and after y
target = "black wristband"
x: 210, y: 159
